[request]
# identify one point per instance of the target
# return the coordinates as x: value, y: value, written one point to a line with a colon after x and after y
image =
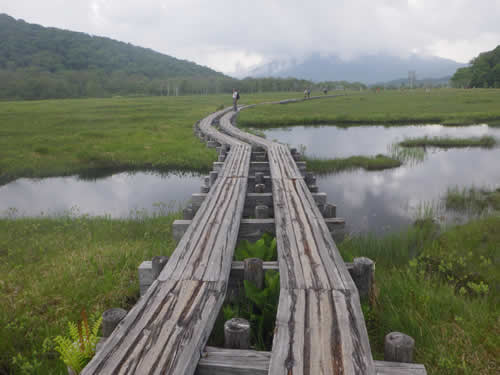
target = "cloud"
x: 232, y: 35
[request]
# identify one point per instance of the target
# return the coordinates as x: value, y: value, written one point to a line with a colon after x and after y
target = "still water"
x: 118, y: 196
x: 383, y: 201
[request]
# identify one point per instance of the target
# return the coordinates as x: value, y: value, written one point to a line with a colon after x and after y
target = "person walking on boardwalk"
x: 236, y: 96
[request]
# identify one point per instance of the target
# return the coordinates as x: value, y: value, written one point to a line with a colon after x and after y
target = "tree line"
x: 42, y: 63
x: 484, y: 71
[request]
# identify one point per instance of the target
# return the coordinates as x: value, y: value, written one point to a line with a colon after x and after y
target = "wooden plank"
x: 220, y: 361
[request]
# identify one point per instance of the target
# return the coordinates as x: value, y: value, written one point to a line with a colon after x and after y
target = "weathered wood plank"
x: 220, y: 361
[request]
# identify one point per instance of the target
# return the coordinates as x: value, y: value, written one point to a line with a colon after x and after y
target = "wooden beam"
x: 219, y: 361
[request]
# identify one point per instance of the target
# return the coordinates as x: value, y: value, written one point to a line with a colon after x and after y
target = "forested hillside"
x: 483, y: 72
x: 38, y: 62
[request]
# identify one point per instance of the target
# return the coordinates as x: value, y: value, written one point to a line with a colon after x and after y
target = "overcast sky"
x: 233, y: 35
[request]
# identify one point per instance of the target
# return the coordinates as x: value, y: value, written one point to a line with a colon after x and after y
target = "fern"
x: 265, y: 248
x: 78, y: 349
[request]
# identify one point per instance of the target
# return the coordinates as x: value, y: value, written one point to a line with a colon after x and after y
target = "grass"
x: 392, y: 107
x: 472, y: 199
x: 419, y: 278
x: 52, y: 268
x: 375, y: 163
x: 88, y: 136
x: 448, y: 142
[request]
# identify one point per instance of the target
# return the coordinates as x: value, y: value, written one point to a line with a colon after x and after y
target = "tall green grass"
x: 52, y: 268
x: 448, y: 142
x: 446, y: 106
x: 419, y: 274
x: 473, y: 200
x: 376, y: 163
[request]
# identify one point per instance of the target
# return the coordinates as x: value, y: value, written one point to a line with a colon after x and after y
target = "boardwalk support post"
x: 157, y: 265
x: 398, y: 347
x: 261, y: 211
x: 330, y: 211
x: 259, y: 177
x: 363, y: 275
x: 237, y: 334
x: 254, y: 271
x: 110, y: 319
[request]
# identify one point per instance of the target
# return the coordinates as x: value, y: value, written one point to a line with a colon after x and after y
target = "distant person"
x: 236, y: 96
x: 305, y: 93
x: 308, y: 92
x: 325, y: 91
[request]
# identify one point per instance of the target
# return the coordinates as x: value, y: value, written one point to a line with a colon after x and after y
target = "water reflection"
x: 387, y: 200
x: 391, y: 199
x: 117, y: 195
x: 338, y: 142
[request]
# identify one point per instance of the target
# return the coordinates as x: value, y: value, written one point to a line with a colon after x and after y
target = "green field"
x: 96, y: 136
x: 392, y: 107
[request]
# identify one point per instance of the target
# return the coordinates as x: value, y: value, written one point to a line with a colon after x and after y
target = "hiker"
x: 236, y: 96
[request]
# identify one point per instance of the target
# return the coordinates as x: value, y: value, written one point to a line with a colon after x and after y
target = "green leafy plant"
x: 265, y: 248
x: 263, y: 308
x: 78, y: 349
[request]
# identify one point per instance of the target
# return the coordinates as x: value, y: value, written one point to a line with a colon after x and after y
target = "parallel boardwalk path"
x: 168, y: 328
x: 320, y: 327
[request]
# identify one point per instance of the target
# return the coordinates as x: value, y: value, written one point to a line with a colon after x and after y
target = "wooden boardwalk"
x: 167, y: 329
x: 320, y: 327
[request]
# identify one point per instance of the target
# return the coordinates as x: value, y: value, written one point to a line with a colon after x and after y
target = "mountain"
x: 39, y: 62
x: 367, y: 69
x: 484, y: 71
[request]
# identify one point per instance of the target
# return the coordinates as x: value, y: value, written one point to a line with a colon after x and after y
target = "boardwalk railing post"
x: 398, y: 347
x: 254, y: 271
x: 237, y: 334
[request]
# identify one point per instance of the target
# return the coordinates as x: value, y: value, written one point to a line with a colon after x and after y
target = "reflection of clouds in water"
x: 395, y: 196
x: 335, y: 142
x: 116, y: 195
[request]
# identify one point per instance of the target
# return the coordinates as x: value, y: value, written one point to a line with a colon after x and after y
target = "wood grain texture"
x: 166, y: 331
x: 320, y: 327
x: 219, y: 361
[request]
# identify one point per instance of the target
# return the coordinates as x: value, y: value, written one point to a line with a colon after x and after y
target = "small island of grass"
x: 449, y: 142
x: 368, y: 163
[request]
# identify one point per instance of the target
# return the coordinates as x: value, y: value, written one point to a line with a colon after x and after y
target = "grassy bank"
x: 446, y: 298
x: 375, y: 163
x: 472, y: 199
x: 52, y: 268
x: 448, y: 142
x: 446, y: 106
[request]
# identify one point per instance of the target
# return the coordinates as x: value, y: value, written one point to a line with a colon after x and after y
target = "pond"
x: 117, y: 196
x: 382, y: 201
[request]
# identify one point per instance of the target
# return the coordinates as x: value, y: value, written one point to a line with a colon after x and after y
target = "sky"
x: 235, y: 36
